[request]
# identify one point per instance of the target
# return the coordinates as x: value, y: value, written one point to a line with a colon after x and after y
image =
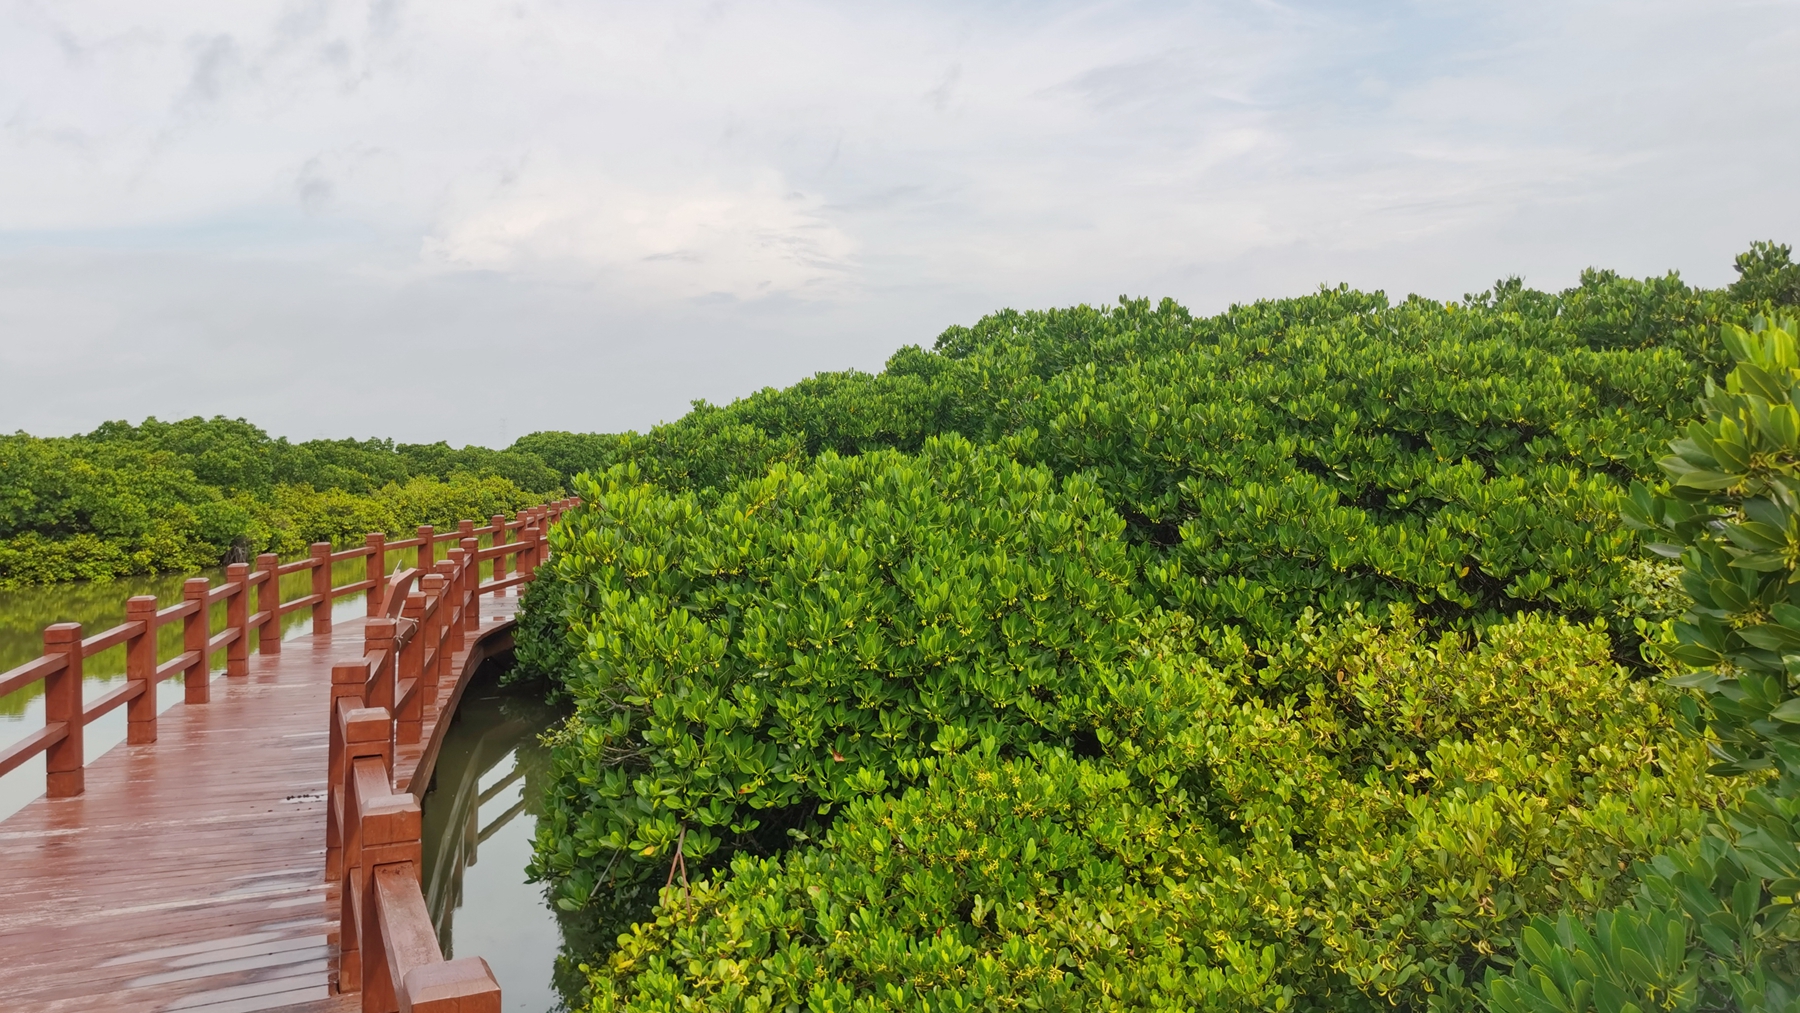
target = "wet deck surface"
x: 190, y: 875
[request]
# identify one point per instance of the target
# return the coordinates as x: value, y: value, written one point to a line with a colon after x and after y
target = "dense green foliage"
x: 1363, y: 846
x: 813, y: 629
x: 1118, y: 658
x: 177, y: 496
x: 1711, y: 926
x: 1465, y: 458
x: 1767, y: 273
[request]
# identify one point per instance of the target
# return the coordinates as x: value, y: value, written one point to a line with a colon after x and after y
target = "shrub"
x: 790, y: 645
x: 1327, y: 684
x: 1466, y: 458
x: 1710, y: 926
x: 1372, y: 842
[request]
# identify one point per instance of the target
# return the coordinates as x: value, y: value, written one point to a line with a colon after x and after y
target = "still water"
x: 480, y: 818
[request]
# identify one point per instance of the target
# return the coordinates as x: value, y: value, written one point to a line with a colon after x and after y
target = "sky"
x: 466, y: 221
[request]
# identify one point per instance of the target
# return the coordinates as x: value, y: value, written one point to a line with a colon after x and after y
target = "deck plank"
x: 190, y: 875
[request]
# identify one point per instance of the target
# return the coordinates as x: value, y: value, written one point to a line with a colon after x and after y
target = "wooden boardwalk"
x: 190, y: 875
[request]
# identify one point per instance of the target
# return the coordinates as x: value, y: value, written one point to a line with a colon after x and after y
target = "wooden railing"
x: 419, y: 617
x: 67, y: 714
x: 387, y: 944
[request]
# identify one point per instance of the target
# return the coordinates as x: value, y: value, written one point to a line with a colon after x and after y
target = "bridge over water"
x: 257, y: 846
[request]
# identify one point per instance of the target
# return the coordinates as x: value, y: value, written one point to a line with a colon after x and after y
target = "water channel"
x: 480, y: 814
x: 480, y: 819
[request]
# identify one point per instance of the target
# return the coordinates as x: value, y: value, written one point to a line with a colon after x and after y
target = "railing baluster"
x: 412, y: 658
x: 196, y: 629
x: 140, y: 667
x: 499, y: 523
x: 528, y: 557
x: 433, y: 586
x: 378, y: 638
x: 471, y: 579
x: 321, y: 587
x: 268, y: 602
x: 449, y: 611
x: 63, y: 761
x: 237, y: 617
x: 376, y: 572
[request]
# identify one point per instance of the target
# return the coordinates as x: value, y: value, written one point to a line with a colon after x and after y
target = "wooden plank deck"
x: 190, y: 875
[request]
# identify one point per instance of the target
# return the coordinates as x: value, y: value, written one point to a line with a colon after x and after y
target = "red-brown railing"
x: 387, y: 945
x: 66, y: 714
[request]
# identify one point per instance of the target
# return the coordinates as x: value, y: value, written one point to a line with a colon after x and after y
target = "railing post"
x: 412, y: 658
x: 349, y: 680
x: 63, y: 774
x: 450, y: 608
x: 196, y: 630
x: 426, y: 554
x: 378, y: 636
x: 465, y: 530
x: 433, y: 586
x: 528, y: 558
x: 376, y: 572
x: 237, y: 617
x: 268, y: 602
x: 367, y: 736
x: 471, y: 583
x: 392, y: 830
x: 499, y: 522
x: 321, y: 586
x: 140, y: 667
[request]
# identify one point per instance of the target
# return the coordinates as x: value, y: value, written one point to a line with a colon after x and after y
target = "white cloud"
x: 690, y: 199
x: 705, y: 239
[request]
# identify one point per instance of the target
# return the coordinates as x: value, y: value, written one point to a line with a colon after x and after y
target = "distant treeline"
x: 171, y: 497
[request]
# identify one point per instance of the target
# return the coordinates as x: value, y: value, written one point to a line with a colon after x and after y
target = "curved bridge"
x: 257, y: 846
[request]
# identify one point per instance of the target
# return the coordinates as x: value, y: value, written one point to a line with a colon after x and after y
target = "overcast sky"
x: 469, y: 221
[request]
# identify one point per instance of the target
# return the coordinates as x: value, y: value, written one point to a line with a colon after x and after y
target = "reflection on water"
x: 480, y: 818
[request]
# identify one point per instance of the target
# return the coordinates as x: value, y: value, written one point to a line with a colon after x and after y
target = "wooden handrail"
x: 404, y: 945
x: 387, y: 943
x: 186, y: 608
x: 111, y: 638
x: 60, y: 666
x: 15, y: 679
x: 298, y: 603
x: 496, y: 586
x: 503, y: 549
x: 179, y: 663
x: 33, y: 744
x: 346, y: 590
x: 107, y: 701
